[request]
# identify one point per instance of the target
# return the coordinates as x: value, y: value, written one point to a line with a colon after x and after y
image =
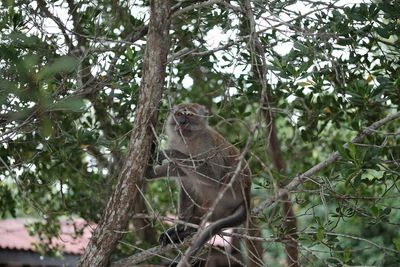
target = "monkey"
x: 204, y: 163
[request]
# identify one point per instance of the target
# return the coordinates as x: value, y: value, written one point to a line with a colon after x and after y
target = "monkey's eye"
x: 178, y: 113
x: 189, y: 114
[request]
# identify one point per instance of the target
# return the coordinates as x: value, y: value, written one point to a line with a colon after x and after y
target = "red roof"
x: 14, y: 235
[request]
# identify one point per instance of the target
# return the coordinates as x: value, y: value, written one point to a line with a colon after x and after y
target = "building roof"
x: 14, y: 235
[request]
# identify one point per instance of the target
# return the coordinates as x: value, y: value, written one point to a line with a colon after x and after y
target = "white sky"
x: 214, y: 38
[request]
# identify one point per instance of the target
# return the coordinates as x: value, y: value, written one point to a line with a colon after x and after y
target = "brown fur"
x: 204, y: 163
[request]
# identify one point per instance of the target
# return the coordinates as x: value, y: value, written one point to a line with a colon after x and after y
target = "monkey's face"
x: 188, y: 119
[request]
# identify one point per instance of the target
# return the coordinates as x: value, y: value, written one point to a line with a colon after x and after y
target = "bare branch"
x: 146, y: 254
x: 42, y: 5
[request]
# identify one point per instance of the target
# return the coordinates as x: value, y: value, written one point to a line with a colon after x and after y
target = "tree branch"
x: 61, y: 26
x: 145, y: 255
x: 259, y: 67
x: 301, y: 178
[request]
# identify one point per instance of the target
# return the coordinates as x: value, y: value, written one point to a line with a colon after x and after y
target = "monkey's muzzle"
x: 182, y: 121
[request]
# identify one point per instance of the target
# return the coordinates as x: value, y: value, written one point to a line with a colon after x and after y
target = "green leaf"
x: 7, y: 201
x: 371, y: 174
x: 387, y: 211
x: 129, y: 53
x: 346, y: 255
x: 320, y: 234
x: 318, y: 220
x: 373, y: 11
x: 299, y: 46
x: 74, y: 104
x: 352, y: 149
x: 61, y: 65
x: 396, y: 242
x: 46, y: 127
x: 344, y: 41
x: 384, y: 32
x: 375, y: 210
x: 342, y: 151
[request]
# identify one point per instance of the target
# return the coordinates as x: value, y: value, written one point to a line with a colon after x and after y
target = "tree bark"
x: 289, y: 221
x: 116, y: 215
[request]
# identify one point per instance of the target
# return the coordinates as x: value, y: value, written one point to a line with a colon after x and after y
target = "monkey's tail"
x: 214, y: 228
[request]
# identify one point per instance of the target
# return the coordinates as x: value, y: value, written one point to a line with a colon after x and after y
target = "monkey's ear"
x: 206, y: 111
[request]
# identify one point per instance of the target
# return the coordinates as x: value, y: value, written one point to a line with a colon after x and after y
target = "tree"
x: 69, y: 95
x: 127, y: 190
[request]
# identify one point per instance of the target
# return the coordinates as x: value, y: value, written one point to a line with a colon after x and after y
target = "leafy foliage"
x: 68, y: 89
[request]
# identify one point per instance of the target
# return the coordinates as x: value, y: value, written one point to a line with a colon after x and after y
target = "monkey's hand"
x: 175, y: 166
x: 162, y: 170
x: 149, y: 172
x: 175, y: 234
x: 162, y: 155
x: 179, y: 157
x: 171, y: 154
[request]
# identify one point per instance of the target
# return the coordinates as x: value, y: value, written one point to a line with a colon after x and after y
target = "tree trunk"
x: 259, y: 69
x: 116, y: 215
x: 289, y: 221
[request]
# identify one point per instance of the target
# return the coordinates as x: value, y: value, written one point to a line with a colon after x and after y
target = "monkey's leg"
x: 175, y: 234
x: 235, y: 219
x: 180, y: 231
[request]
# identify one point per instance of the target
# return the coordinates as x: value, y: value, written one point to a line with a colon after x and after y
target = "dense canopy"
x: 319, y: 72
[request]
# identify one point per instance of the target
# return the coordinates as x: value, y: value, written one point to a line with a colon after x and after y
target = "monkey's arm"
x: 180, y: 231
x: 175, y: 155
x: 176, y: 164
x: 171, y: 168
x: 165, y: 170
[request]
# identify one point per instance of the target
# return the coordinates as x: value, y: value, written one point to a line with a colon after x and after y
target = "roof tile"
x: 14, y: 235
